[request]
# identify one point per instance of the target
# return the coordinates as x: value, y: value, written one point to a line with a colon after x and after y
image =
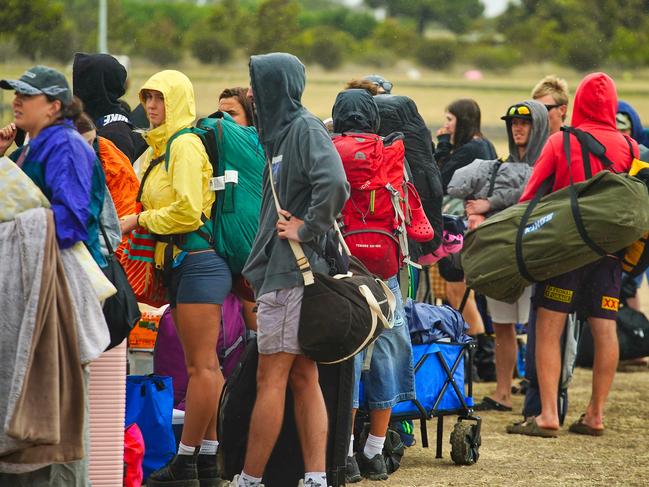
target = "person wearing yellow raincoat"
x: 177, y: 203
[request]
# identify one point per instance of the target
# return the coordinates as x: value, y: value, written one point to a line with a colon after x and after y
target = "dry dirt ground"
x: 620, y: 457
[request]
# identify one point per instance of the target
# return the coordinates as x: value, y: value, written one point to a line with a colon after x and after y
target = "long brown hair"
x: 467, y: 125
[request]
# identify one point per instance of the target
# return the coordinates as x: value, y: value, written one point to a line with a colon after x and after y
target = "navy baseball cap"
x: 40, y: 80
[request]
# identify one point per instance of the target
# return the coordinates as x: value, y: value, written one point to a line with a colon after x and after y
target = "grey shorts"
x: 278, y: 321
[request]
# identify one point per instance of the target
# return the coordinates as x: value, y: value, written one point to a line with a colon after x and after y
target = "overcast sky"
x: 492, y: 7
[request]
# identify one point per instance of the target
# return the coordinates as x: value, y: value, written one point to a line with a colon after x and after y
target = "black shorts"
x: 593, y: 290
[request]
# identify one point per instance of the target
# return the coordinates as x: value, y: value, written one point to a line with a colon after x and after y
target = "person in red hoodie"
x: 594, y: 288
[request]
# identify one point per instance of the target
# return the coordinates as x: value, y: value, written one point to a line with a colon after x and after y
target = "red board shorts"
x: 593, y: 289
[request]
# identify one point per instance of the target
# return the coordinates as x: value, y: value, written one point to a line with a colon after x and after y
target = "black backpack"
x: 400, y: 114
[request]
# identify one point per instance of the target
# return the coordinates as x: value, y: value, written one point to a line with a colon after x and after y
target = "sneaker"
x: 179, y: 472
x: 235, y: 482
x: 352, y: 473
x: 372, y: 468
x: 310, y: 483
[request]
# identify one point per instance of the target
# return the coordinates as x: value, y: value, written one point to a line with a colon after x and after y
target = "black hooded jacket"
x: 355, y: 111
x: 99, y: 80
x: 400, y: 114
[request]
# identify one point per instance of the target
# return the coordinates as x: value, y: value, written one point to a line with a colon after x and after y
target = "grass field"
x: 432, y: 91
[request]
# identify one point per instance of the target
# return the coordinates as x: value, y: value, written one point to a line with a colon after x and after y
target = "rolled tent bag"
x: 566, y: 230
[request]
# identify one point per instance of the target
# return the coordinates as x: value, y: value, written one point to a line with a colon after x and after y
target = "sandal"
x: 489, y: 404
x: 582, y: 428
x: 530, y: 428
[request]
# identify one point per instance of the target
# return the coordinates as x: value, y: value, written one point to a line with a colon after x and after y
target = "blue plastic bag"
x: 149, y: 403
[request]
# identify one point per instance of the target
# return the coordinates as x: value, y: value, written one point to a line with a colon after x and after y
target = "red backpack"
x: 383, y: 208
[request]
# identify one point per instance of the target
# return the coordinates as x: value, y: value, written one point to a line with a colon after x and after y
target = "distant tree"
x: 436, y: 53
x: 584, y: 34
x: 276, y: 26
x: 455, y: 15
x: 160, y: 41
x: 39, y: 28
x: 324, y: 45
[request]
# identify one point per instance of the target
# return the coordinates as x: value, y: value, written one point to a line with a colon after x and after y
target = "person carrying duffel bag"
x: 592, y: 284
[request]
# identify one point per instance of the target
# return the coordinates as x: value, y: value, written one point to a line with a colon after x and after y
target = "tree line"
x: 584, y: 34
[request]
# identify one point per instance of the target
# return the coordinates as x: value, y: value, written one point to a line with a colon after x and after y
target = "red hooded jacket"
x: 594, y: 112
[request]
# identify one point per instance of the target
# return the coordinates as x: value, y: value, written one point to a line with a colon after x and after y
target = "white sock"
x: 246, y: 480
x: 373, y: 445
x: 318, y: 479
x: 208, y: 447
x: 185, y: 450
x: 350, y: 453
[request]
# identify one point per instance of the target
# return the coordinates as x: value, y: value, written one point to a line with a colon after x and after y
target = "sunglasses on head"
x: 386, y: 85
x: 551, y: 107
x: 518, y: 110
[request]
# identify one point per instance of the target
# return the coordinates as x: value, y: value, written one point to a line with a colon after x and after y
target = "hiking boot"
x: 372, y: 468
x: 352, y: 473
x: 179, y: 472
x: 208, y: 471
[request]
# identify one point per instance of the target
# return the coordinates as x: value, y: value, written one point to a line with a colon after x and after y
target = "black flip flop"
x: 488, y: 404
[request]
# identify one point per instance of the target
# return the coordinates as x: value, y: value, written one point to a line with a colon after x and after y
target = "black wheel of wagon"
x: 465, y: 443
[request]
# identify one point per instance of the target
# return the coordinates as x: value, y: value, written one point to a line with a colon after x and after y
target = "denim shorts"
x: 391, y: 377
x: 201, y: 278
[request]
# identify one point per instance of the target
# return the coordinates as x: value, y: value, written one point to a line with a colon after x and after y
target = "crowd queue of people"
x: 58, y: 129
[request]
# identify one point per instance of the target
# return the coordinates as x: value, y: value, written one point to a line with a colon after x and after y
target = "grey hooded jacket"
x: 502, y: 182
x: 309, y: 175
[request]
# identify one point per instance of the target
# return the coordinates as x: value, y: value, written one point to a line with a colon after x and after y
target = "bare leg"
x: 506, y: 349
x: 268, y: 413
x: 604, y: 365
x: 549, y: 327
x: 455, y: 292
x: 198, y: 328
x: 310, y: 413
x: 379, y: 421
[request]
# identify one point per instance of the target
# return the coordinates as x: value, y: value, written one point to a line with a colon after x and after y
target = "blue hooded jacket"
x: 65, y: 168
x: 637, y: 130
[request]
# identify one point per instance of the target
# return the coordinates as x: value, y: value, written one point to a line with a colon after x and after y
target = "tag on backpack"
x: 229, y: 176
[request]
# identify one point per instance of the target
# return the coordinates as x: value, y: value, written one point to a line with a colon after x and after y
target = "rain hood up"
x: 175, y: 196
x: 637, y: 130
x: 355, y: 111
x: 99, y: 80
x: 594, y: 112
x: 309, y: 176
x: 277, y: 82
x: 538, y: 134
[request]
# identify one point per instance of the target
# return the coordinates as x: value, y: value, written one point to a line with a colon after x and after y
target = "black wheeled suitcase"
x: 285, y: 467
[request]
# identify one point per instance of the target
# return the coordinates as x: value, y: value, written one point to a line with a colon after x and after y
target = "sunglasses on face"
x: 518, y: 110
x: 551, y: 107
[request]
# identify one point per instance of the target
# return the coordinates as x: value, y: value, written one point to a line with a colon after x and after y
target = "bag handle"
x: 298, y: 252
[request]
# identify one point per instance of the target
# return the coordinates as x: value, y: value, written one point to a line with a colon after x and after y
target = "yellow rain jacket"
x: 174, y: 198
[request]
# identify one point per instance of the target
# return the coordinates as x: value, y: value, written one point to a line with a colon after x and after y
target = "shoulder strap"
x: 189, y: 130
x: 153, y: 164
x: 628, y: 141
x: 574, y: 203
x: 298, y: 252
x: 492, y: 179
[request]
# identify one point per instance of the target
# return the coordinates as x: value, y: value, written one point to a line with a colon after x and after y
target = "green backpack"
x: 238, y: 161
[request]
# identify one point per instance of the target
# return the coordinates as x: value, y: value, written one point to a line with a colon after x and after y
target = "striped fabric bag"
x: 138, y: 263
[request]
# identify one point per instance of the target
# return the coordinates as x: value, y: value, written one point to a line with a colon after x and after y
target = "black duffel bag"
x: 121, y: 310
x: 341, y: 314
x: 632, y: 335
